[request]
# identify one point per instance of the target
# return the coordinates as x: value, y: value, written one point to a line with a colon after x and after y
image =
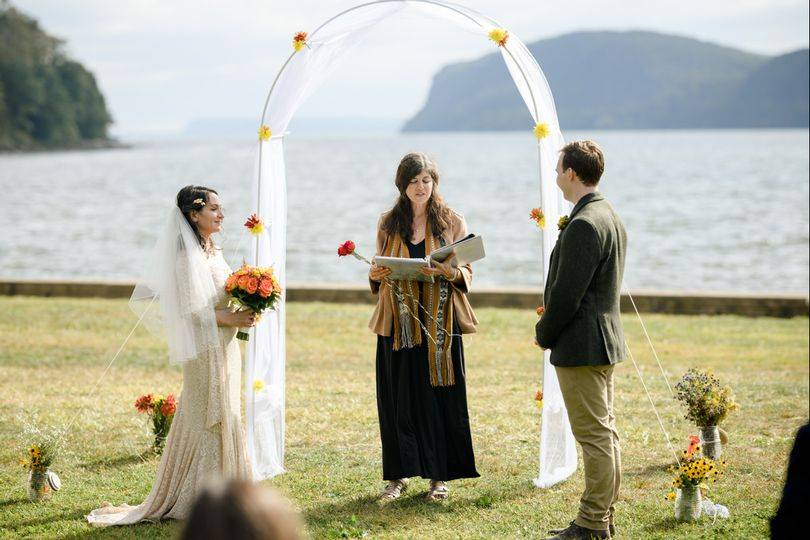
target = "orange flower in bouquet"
x: 161, y: 412
x: 253, y: 288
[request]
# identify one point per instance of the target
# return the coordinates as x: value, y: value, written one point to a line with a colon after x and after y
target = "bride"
x: 186, y: 276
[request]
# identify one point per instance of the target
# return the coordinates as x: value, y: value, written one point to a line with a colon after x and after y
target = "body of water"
x: 704, y: 210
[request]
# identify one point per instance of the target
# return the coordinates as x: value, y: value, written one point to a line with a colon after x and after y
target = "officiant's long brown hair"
x: 400, y: 218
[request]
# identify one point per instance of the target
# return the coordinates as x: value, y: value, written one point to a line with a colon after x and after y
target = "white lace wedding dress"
x: 206, y: 439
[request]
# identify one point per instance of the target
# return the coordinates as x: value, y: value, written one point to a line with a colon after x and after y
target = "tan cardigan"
x: 382, y: 321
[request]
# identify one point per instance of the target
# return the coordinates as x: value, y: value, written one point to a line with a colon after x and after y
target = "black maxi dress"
x: 425, y: 430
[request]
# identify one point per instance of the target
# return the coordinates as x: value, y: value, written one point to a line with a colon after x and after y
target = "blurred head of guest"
x: 241, y: 510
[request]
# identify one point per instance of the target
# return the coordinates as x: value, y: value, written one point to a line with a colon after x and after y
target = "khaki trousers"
x: 588, y: 395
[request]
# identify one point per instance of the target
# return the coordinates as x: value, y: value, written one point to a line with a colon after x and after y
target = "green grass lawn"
x: 52, y: 350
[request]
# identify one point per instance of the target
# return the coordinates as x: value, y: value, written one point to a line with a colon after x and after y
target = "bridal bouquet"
x: 253, y: 288
x: 161, y: 412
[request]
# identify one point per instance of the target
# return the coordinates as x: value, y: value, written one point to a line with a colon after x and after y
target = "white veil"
x: 178, y: 278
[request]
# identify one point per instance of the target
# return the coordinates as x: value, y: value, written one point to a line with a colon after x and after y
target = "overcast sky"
x: 162, y: 63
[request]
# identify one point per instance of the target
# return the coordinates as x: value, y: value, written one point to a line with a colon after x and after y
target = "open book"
x: 466, y: 250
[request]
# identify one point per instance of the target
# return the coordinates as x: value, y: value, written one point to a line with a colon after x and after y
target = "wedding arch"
x: 315, y: 55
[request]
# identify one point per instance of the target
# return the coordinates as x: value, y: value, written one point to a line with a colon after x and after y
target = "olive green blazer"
x: 581, y: 324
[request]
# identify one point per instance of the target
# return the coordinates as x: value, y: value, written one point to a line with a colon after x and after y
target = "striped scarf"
x: 436, y: 300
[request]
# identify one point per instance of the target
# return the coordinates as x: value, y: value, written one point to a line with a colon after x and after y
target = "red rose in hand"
x: 243, y: 282
x: 252, y: 285
x: 346, y: 248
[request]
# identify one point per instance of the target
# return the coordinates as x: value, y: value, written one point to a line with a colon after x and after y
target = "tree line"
x: 47, y: 100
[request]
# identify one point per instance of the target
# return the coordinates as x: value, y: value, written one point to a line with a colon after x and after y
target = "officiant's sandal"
x: 393, y: 491
x: 438, y: 491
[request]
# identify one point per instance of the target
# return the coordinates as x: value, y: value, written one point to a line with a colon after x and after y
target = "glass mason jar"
x: 688, y: 503
x: 710, y: 442
x: 38, y: 487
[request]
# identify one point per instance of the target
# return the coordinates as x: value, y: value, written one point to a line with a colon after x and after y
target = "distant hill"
x: 47, y: 100
x: 625, y: 80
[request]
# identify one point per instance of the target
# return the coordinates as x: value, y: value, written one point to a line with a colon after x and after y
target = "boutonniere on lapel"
x: 563, y: 222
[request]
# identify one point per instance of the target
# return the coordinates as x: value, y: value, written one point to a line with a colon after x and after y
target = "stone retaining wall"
x: 683, y: 303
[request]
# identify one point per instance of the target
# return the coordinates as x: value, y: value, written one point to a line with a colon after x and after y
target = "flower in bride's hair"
x: 346, y: 248
x: 198, y: 203
x: 255, y: 225
x: 541, y: 130
x: 563, y: 222
x: 258, y: 385
x: 499, y: 36
x: 538, y: 217
x: 299, y: 41
x: 265, y: 133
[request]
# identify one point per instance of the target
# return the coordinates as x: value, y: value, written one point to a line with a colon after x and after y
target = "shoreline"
x: 767, y: 304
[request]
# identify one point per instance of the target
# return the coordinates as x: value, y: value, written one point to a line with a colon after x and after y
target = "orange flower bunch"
x: 254, y: 288
x: 161, y: 412
x: 253, y: 280
x: 538, y: 399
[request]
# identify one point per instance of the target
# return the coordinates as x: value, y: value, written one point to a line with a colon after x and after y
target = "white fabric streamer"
x: 299, y: 78
x: 176, y: 295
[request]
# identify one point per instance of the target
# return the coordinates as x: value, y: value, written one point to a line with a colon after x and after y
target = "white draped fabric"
x: 300, y: 76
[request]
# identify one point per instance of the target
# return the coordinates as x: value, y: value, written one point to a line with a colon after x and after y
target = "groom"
x: 581, y: 326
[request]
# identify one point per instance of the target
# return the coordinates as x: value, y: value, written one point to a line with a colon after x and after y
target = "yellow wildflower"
x: 499, y: 36
x: 541, y: 130
x: 258, y: 385
x: 671, y: 496
x: 265, y: 133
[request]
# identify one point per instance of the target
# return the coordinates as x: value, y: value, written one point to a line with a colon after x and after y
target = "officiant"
x: 421, y: 387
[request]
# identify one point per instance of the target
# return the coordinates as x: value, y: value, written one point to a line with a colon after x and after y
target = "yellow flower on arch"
x: 541, y: 130
x: 265, y: 133
x: 499, y: 36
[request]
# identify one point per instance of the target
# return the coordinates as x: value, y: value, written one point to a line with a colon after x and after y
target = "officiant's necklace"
x: 418, y: 226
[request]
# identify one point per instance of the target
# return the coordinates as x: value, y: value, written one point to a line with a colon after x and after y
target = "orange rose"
x: 252, y: 285
x: 243, y: 282
x: 266, y: 287
x: 230, y: 283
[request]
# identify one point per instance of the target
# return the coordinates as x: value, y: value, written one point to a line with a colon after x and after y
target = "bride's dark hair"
x: 192, y: 198
x: 400, y: 218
